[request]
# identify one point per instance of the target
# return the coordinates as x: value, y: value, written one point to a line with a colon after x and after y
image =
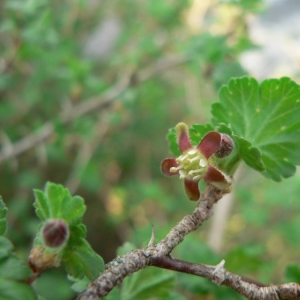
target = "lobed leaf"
x: 12, y: 267
x: 41, y: 205
x: 12, y: 272
x: 265, y: 119
x: 15, y: 290
x: 57, y: 202
x: 81, y: 261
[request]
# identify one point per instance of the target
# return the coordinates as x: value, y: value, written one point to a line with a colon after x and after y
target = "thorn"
x: 219, y: 273
x: 218, y: 267
x: 152, y: 239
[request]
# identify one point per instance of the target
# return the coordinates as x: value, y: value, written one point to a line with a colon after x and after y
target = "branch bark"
x: 136, y: 260
x: 92, y: 105
x: 158, y: 255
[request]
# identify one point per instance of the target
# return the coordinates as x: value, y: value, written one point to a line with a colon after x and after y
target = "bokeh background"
x: 88, y: 92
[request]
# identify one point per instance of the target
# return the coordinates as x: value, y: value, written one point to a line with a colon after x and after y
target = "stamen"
x: 202, y: 163
x: 191, y: 172
x: 182, y: 174
x: 194, y: 158
x: 198, y: 177
x: 193, y: 151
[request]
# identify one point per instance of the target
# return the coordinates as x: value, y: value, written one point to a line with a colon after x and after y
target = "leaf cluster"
x: 13, y: 270
x: 56, y: 202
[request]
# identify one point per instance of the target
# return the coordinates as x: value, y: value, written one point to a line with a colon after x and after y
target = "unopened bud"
x: 55, y: 233
x: 226, y: 146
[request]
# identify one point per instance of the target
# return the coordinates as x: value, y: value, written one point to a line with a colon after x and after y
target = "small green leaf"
x: 12, y: 267
x: 251, y: 155
x: 55, y: 194
x: 3, y: 212
x: 77, y: 232
x: 6, y: 247
x: 80, y: 260
x: 56, y: 202
x: 267, y: 116
x: 41, y: 205
x: 72, y: 209
x: 14, y: 290
x: 147, y: 283
x: 80, y: 284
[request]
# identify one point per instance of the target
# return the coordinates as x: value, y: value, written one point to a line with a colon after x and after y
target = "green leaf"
x: 80, y: 285
x: 292, y: 273
x: 41, y: 205
x: 80, y: 260
x: 57, y: 202
x: 6, y: 247
x: 12, y: 267
x: 75, y: 208
x: 265, y: 120
x: 148, y: 283
x: 114, y: 294
x: 3, y: 212
x: 198, y: 131
x: 14, y: 290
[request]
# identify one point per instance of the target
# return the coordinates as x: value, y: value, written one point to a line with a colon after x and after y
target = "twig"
x: 121, y: 267
x: 218, y: 274
x: 92, y: 105
x: 136, y: 260
x: 85, y: 153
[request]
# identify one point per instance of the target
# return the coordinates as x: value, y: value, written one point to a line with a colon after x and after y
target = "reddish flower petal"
x: 183, y: 138
x: 210, y: 144
x: 192, y: 189
x: 167, y: 164
x: 217, y: 178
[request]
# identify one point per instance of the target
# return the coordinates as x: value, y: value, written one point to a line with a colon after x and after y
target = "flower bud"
x: 226, y: 146
x: 55, y: 233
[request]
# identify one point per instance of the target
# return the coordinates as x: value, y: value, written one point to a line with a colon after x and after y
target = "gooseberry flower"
x: 196, y: 163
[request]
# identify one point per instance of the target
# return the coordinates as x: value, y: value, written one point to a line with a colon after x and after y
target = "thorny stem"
x: 136, y: 260
x: 157, y: 255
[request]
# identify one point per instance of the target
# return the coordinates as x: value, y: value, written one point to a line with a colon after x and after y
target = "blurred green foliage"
x: 111, y: 156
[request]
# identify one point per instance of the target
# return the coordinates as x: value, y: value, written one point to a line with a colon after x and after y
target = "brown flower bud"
x: 226, y: 146
x: 55, y: 233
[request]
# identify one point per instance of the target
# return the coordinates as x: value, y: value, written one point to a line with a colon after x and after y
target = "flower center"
x: 192, y: 165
